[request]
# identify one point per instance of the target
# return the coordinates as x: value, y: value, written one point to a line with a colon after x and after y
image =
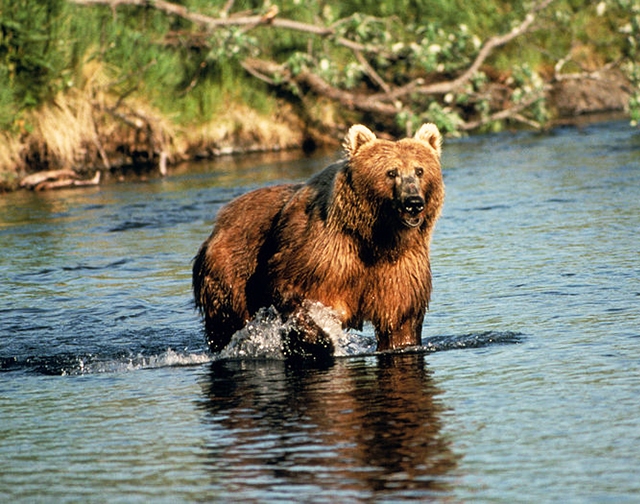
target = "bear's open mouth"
x: 411, y: 221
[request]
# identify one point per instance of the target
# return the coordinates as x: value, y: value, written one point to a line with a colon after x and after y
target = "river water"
x: 527, y: 388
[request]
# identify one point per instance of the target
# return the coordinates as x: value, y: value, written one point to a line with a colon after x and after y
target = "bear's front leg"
x: 303, y: 339
x: 409, y: 333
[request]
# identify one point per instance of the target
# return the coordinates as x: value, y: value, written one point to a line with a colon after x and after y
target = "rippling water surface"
x: 527, y: 387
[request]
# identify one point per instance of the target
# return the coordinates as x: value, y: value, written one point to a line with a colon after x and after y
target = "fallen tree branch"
x: 251, y: 67
x: 353, y: 101
x: 513, y: 112
x: 389, y: 102
x: 270, y: 18
x: 373, y: 75
x: 485, y: 51
x: 444, y: 87
x: 594, y: 75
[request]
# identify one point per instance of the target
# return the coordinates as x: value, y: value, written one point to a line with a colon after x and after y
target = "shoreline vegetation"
x: 90, y: 88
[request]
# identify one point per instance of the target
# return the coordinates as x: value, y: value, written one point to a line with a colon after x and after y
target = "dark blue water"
x: 527, y: 388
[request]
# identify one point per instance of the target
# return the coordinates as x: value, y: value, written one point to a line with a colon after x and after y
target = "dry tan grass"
x: 61, y: 129
x: 242, y: 129
x: 88, y: 127
x: 11, y: 160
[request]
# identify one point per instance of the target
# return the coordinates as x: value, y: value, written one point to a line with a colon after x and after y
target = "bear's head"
x: 401, y: 178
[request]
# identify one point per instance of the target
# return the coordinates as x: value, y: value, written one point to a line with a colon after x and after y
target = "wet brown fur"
x: 342, y: 239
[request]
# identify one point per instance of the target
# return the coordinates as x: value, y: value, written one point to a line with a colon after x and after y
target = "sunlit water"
x: 527, y: 388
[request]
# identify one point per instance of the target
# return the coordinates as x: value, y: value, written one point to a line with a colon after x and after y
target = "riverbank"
x: 96, y: 88
x: 83, y: 139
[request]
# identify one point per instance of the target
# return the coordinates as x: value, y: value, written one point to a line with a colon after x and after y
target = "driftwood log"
x: 57, y: 179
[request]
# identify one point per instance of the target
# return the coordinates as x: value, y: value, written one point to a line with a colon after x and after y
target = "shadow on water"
x: 357, y: 428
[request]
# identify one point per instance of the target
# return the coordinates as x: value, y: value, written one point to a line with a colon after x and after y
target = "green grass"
x: 193, y: 76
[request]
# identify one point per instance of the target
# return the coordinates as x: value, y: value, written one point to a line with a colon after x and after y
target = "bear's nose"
x: 413, y: 204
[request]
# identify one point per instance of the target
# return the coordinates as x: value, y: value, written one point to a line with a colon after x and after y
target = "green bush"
x: 191, y: 73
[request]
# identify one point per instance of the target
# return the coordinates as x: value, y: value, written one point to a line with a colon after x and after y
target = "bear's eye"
x: 419, y: 171
x: 392, y: 173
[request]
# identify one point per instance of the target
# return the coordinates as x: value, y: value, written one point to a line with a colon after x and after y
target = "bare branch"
x: 270, y: 18
x: 389, y: 102
x: 363, y: 103
x: 253, y: 70
x: 319, y: 86
x: 486, y: 50
x: 595, y: 75
x: 513, y: 112
x: 368, y: 69
x: 227, y: 8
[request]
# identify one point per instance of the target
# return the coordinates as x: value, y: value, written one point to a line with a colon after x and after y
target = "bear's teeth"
x: 412, y: 222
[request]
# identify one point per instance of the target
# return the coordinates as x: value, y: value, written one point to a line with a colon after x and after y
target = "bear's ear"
x: 357, y: 136
x: 429, y: 134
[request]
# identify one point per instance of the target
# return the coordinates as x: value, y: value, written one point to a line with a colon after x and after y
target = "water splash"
x: 345, y: 343
x: 259, y: 339
x: 70, y: 364
x: 169, y: 358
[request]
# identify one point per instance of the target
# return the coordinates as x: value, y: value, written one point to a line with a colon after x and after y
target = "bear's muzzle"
x: 411, y: 202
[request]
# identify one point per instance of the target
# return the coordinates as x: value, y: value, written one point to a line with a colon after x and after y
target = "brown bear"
x: 355, y: 237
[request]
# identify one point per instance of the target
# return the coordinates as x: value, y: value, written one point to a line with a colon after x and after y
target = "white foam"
x: 259, y: 339
x: 169, y: 358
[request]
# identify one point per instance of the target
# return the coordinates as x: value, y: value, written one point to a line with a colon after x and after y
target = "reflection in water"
x: 361, y: 427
